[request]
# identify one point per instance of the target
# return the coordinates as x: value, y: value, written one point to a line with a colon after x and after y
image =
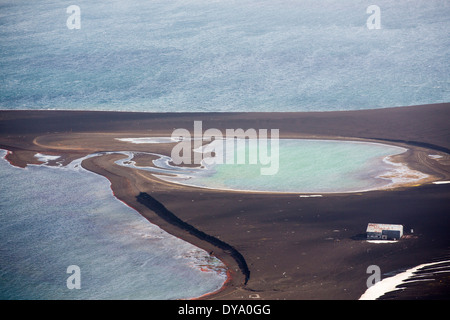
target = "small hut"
x: 380, y: 231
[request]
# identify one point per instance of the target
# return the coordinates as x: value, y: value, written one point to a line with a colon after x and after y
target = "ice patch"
x: 391, y: 283
x: 150, y: 140
x: 442, y: 182
x: 45, y: 157
x: 382, y: 241
x: 310, y: 195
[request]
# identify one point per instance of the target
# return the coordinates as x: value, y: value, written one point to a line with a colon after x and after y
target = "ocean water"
x: 52, y: 218
x: 202, y: 55
x: 296, y: 166
x: 183, y: 56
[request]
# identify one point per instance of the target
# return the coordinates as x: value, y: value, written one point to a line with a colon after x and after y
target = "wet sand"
x: 294, y: 247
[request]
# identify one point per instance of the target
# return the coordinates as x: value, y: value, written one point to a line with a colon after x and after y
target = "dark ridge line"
x: 415, y: 143
x: 164, y: 213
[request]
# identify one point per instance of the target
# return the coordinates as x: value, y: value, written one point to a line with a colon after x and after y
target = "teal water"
x: 310, y: 166
x: 183, y: 56
x: 302, y: 166
x: 201, y: 55
x: 51, y: 218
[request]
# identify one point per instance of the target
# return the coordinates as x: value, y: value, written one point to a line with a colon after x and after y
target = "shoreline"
x: 394, y: 160
x: 228, y: 277
x: 400, y: 159
x: 232, y: 215
x: 390, y: 285
x: 168, y: 216
x: 189, y: 259
x: 45, y: 158
x: 231, y: 276
x: 388, y: 175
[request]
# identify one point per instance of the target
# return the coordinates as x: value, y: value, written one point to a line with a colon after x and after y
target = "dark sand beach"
x: 277, y: 246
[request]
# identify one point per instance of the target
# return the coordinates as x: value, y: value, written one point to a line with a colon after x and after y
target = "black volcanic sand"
x: 293, y: 247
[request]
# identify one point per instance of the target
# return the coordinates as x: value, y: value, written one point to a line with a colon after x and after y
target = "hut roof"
x: 378, y: 227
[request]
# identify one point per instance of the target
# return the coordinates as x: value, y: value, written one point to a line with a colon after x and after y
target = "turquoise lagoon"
x: 303, y: 166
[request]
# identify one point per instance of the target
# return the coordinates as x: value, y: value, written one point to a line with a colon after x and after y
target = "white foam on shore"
x: 401, y: 174
x: 150, y: 140
x: 4, y: 153
x: 442, y: 182
x: 46, y: 158
x: 154, y: 140
x: 310, y: 195
x: 391, y: 283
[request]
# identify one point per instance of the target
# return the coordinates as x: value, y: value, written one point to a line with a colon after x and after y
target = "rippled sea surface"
x: 201, y: 55
x: 52, y: 218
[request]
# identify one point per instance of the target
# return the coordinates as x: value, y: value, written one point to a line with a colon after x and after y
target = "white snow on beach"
x: 441, y: 182
x: 391, y: 283
x: 310, y: 195
x: 46, y: 158
x: 149, y: 140
x: 382, y: 241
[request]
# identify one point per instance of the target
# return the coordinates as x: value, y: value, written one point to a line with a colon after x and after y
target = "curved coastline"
x: 399, y: 174
x: 124, y: 189
x: 231, y: 282
x: 162, y: 212
x: 261, y: 281
x: 151, y: 203
x: 133, y: 230
x: 158, y: 208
